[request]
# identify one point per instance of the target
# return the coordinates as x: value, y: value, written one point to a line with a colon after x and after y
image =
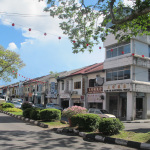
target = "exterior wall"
x: 77, y: 79
x: 130, y: 106
x: 140, y: 48
x: 118, y: 61
x: 141, y: 74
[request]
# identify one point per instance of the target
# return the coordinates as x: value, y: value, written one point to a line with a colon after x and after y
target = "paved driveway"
x: 15, y: 134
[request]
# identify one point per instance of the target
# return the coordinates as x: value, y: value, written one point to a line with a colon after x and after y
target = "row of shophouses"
x: 121, y: 84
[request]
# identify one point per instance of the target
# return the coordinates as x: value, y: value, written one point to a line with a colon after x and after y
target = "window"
x: 62, y: 86
x: 120, y: 50
x: 127, y: 73
x: 109, y: 76
x: 77, y: 85
x: 91, y: 82
x: 37, y: 88
x: 120, y: 73
x: 108, y: 54
x: 148, y: 74
x: 117, y: 51
x: 114, y: 52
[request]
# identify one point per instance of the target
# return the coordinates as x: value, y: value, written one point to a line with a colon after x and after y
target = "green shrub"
x: 27, y: 112
x: 26, y: 105
x: 110, y: 126
x: 12, y: 109
x: 87, y: 122
x: 50, y: 114
x: 7, y: 105
x: 35, y: 114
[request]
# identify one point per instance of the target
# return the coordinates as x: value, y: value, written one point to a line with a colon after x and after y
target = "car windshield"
x: 104, y: 111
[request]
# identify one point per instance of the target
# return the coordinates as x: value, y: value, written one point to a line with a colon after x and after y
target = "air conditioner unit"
x: 74, y: 92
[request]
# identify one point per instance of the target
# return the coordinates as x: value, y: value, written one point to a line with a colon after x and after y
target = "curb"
x: 26, y: 119
x: 136, y: 121
x: 108, y: 140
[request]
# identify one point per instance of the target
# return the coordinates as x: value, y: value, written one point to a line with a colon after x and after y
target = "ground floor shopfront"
x: 67, y: 100
x: 128, y: 104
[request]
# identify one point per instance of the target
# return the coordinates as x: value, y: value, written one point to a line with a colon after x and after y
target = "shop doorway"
x: 124, y: 107
x: 139, y: 107
x: 65, y: 104
x: 113, y: 100
x: 45, y: 101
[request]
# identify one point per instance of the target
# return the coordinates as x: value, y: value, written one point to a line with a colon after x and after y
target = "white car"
x: 101, y: 112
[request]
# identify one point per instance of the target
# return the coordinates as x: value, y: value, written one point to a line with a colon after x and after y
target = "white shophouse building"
x: 127, y: 84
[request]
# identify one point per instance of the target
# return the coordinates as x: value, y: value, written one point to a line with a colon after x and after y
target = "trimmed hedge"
x: 50, y: 114
x: 7, y: 105
x: 110, y: 126
x: 12, y: 109
x: 35, y: 114
x: 87, y: 122
x: 26, y: 105
x: 27, y: 112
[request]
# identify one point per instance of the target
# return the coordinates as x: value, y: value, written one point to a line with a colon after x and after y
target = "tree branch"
x: 127, y: 18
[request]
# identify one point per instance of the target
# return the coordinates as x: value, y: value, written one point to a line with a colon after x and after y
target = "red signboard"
x: 92, y: 90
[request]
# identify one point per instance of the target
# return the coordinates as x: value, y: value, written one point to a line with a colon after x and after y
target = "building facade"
x: 127, y: 82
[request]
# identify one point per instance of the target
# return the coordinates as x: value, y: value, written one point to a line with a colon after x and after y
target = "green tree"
x: 55, y: 74
x: 85, y: 24
x: 9, y: 62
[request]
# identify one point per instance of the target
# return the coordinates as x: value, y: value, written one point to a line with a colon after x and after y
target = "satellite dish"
x: 99, y: 80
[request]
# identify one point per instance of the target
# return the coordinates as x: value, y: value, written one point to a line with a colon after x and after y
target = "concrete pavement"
x: 15, y: 134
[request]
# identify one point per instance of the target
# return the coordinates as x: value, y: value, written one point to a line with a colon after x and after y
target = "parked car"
x: 17, y: 100
x: 17, y: 104
x: 101, y: 112
x: 53, y: 105
x: 41, y: 106
x: 32, y: 104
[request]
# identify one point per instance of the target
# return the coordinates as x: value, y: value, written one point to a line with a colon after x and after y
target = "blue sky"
x: 40, y: 53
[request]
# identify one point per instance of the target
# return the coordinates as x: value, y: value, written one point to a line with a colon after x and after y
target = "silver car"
x: 101, y: 112
x: 17, y: 104
x: 53, y: 105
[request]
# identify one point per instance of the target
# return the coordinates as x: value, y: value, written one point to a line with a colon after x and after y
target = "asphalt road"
x: 15, y: 134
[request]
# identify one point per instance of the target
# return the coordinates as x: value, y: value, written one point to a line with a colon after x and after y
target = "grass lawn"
x: 56, y: 124
x: 16, y: 113
x: 132, y: 136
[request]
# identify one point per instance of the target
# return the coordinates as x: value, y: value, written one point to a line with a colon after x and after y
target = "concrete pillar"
x: 70, y: 102
x: 148, y: 106
x: 104, y: 101
x: 107, y: 101
x: 131, y: 106
x: 42, y: 99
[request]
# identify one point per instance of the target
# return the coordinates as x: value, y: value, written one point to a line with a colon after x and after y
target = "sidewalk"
x: 138, y: 121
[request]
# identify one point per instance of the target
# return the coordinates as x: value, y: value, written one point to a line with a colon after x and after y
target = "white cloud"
x: 12, y: 46
x: 128, y: 2
x: 29, y: 14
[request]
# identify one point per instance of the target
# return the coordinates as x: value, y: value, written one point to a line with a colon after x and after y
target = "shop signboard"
x: 92, y: 90
x: 64, y: 95
x: 117, y: 87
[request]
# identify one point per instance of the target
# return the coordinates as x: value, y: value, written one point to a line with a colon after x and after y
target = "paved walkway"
x: 16, y: 135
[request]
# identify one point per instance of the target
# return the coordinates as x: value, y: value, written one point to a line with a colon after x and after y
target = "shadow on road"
x: 41, y: 140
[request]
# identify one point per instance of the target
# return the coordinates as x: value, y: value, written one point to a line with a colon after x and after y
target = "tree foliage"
x: 85, y: 24
x: 9, y: 62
